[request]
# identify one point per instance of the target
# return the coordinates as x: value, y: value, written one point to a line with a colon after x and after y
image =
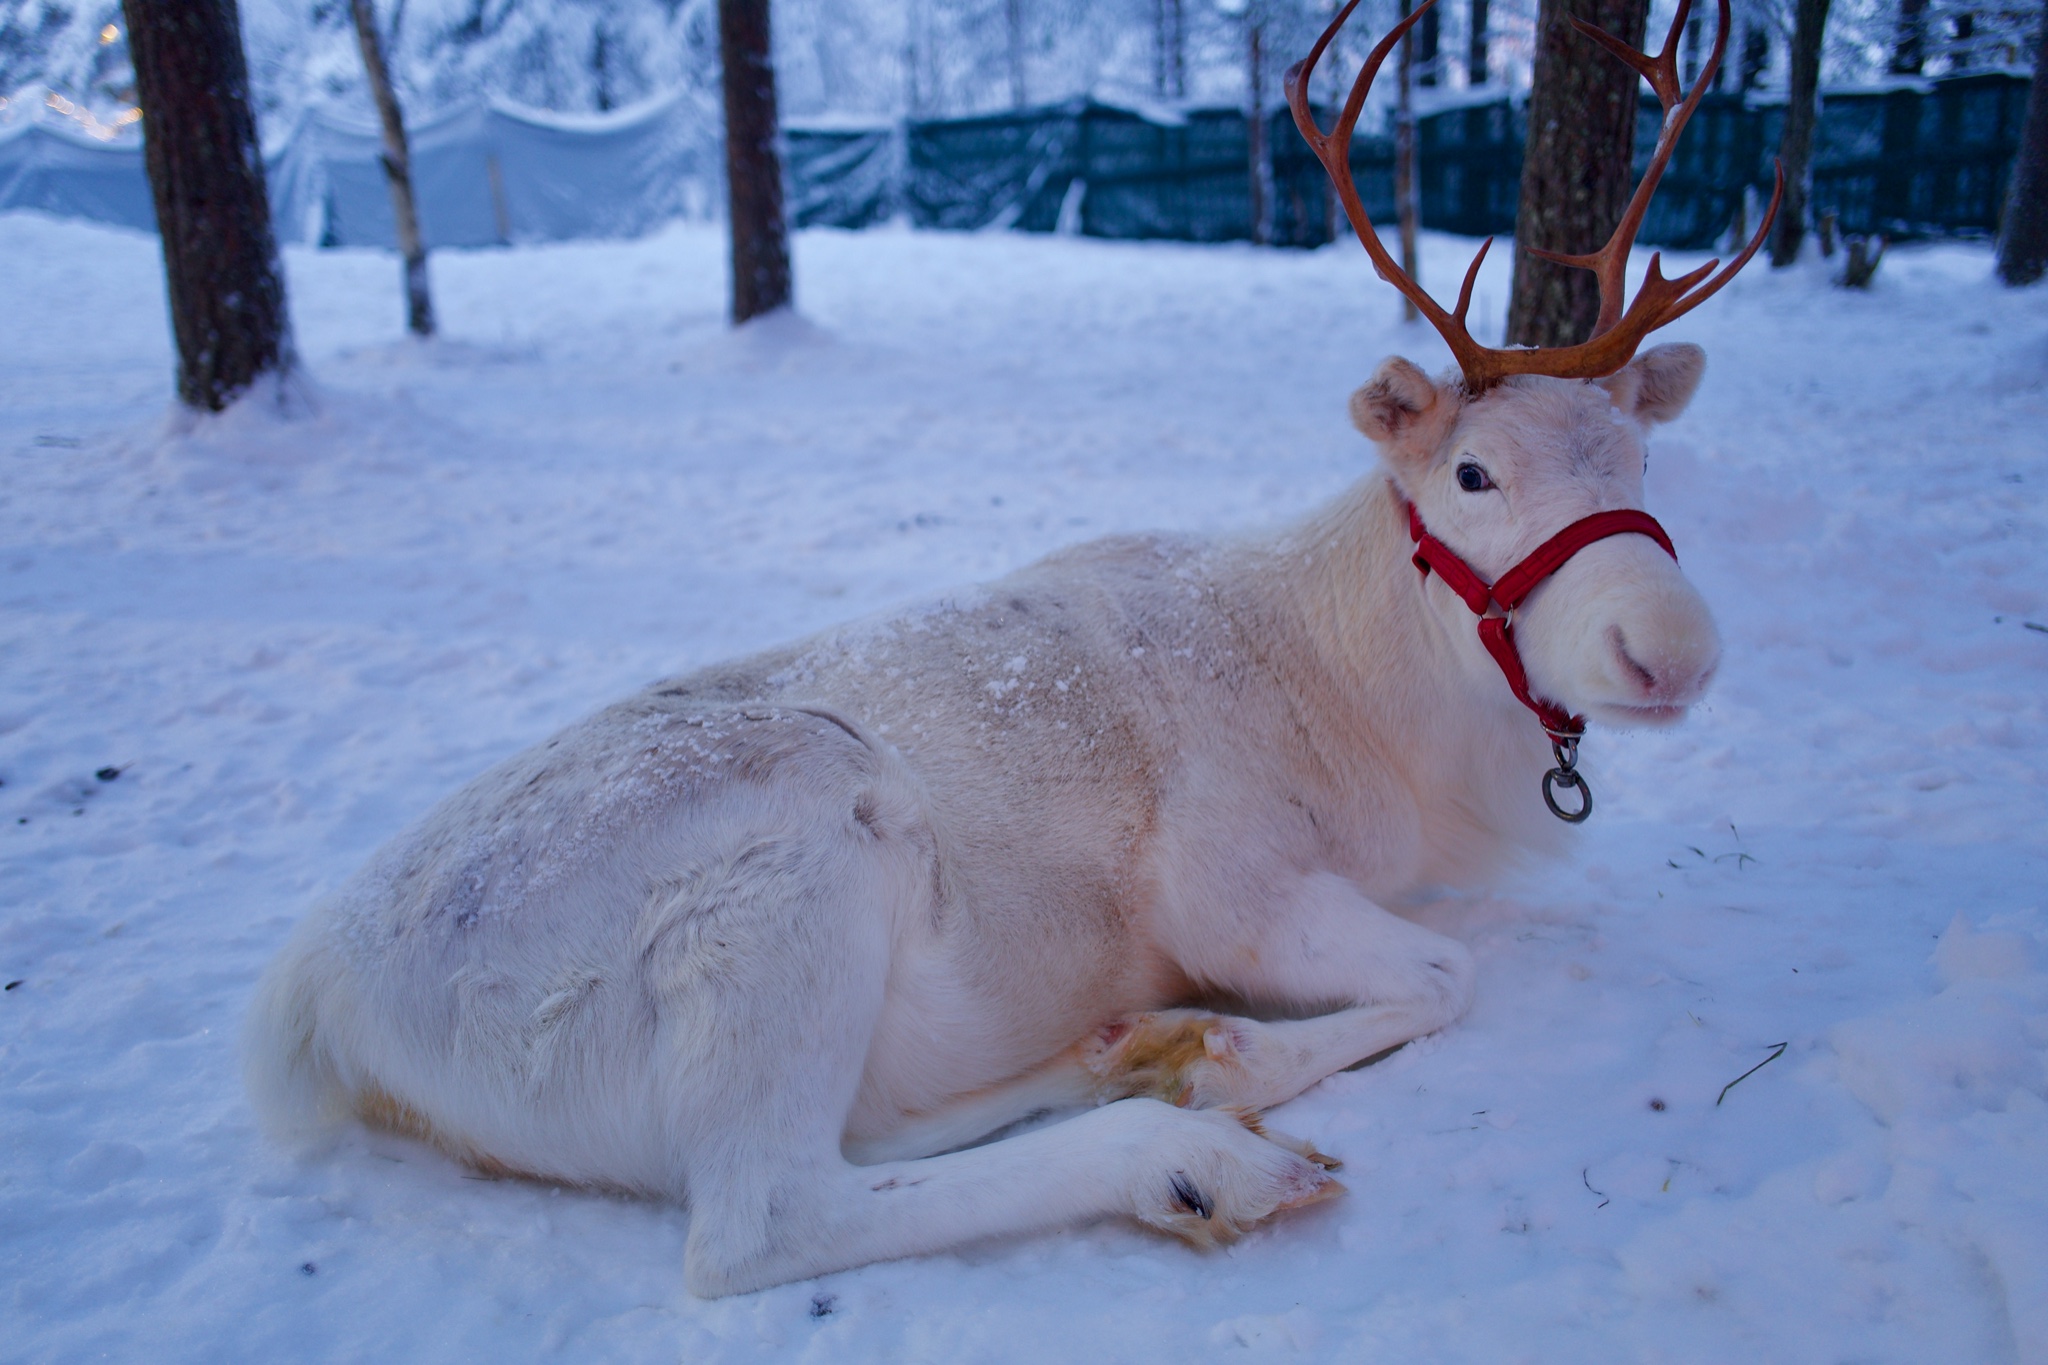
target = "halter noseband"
x: 1494, y: 604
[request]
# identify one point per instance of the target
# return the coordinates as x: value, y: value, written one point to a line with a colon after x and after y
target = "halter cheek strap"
x: 1494, y: 604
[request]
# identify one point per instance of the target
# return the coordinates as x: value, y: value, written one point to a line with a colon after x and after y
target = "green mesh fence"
x: 1917, y: 163
x: 840, y: 177
x: 1928, y: 160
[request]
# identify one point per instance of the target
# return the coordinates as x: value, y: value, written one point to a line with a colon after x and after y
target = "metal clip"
x: 1566, y: 775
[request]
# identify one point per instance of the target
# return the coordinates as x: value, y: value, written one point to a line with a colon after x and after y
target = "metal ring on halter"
x: 1567, y: 777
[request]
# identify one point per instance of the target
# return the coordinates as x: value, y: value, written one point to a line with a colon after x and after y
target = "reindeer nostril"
x: 1643, y: 676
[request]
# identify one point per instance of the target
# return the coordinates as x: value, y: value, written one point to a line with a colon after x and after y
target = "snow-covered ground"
x: 277, y: 642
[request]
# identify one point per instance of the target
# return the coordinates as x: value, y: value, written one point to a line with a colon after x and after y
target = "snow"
x: 292, y: 636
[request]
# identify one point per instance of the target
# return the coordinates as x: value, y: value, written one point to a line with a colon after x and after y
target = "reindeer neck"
x: 1390, y: 680
x: 1345, y: 575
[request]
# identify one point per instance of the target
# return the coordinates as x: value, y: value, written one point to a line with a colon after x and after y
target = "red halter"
x: 1494, y: 604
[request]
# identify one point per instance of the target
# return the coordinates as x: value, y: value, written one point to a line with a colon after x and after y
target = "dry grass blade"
x: 1777, y: 1051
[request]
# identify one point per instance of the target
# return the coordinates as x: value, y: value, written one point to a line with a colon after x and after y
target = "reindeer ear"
x: 1396, y: 406
x: 1657, y: 385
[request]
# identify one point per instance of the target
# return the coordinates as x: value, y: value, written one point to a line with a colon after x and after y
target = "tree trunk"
x: 1159, y: 46
x: 913, y: 45
x: 206, y: 175
x: 1260, y: 166
x: 1013, y: 32
x: 1575, y: 169
x: 1795, y: 149
x: 1756, y: 55
x: 2023, y: 232
x: 419, y: 307
x: 1169, y: 49
x: 1177, y: 68
x: 1909, y: 41
x: 753, y: 169
x: 1429, y: 40
x: 1961, y: 49
x: 1404, y: 163
x: 1475, y: 48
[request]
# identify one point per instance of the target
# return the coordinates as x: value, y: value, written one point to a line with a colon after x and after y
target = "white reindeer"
x: 784, y: 938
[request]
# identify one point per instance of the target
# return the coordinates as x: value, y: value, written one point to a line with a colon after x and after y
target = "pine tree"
x: 1575, y: 169
x: 206, y: 174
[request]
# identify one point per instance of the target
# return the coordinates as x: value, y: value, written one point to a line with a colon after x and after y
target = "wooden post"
x: 206, y: 176
x: 753, y: 169
x: 412, y: 248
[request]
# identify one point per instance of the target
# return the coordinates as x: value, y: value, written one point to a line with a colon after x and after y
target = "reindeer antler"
x: 1619, y: 331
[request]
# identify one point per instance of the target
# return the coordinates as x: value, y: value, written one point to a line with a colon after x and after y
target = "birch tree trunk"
x: 1795, y: 150
x: 206, y: 175
x: 412, y: 248
x: 753, y: 169
x: 1575, y: 171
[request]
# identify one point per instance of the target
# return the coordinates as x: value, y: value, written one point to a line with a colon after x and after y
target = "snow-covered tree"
x: 943, y: 58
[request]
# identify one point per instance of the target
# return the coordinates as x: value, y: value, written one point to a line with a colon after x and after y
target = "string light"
x: 91, y: 122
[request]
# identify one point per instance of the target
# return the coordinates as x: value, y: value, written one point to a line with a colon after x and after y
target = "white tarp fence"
x: 48, y: 166
x: 484, y: 174
x: 493, y: 173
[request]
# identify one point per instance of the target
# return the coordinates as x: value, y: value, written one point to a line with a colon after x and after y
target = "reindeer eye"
x: 1473, y: 479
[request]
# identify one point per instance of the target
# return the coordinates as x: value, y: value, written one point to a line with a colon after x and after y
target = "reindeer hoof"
x: 1301, y: 1147
x: 1222, y: 1175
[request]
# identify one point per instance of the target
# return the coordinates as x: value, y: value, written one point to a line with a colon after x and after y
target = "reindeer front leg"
x: 1381, y: 980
